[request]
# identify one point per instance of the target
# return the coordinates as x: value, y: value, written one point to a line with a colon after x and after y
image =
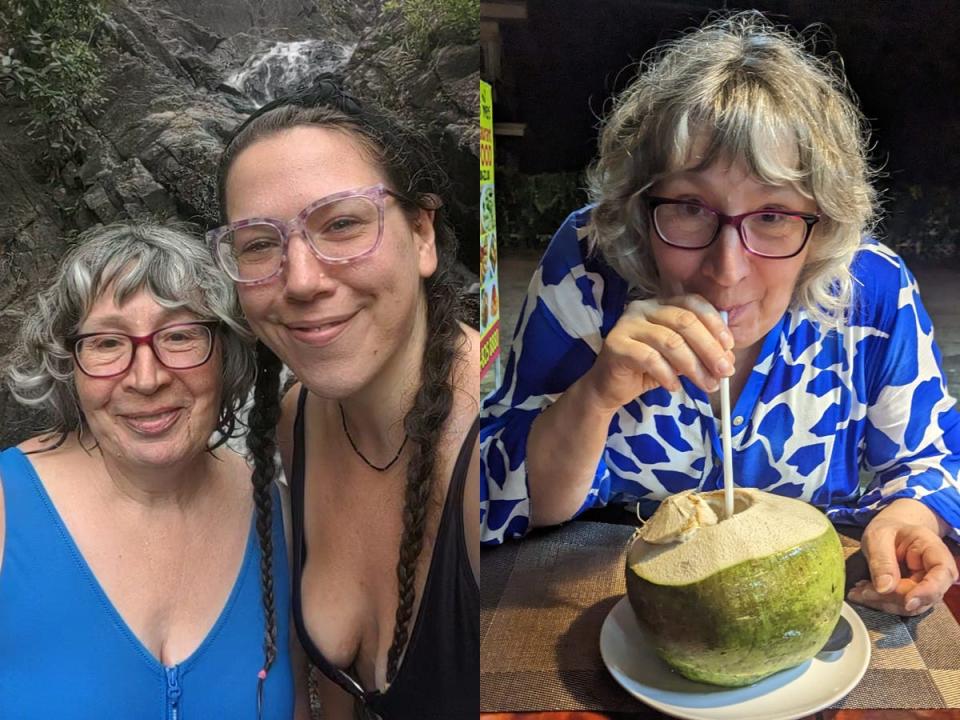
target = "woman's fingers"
x: 879, y: 546
x: 653, y: 344
x: 930, y: 558
x: 930, y: 589
x: 709, y: 316
x: 688, y: 335
x: 932, y: 569
x: 895, y: 602
x: 630, y: 357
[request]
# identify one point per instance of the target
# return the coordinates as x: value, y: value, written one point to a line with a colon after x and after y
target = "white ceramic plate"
x: 788, y: 695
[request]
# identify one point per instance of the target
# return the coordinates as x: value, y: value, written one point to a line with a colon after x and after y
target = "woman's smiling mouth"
x: 154, y: 423
x: 318, y: 333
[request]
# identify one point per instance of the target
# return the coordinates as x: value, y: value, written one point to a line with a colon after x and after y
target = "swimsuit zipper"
x: 173, y: 692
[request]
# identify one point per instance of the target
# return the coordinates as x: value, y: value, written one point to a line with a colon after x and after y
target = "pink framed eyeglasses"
x: 340, y: 228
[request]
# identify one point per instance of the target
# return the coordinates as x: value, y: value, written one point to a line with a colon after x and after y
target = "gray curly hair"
x: 176, y: 270
x: 755, y: 90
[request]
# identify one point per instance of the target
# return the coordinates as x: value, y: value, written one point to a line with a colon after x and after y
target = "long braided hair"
x: 262, y: 444
x: 410, y: 167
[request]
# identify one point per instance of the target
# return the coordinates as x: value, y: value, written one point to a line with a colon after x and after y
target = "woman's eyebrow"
x: 120, y: 322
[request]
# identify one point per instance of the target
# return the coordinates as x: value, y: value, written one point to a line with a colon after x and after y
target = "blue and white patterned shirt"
x: 818, y: 406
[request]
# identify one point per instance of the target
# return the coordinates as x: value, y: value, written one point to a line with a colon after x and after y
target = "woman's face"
x: 755, y: 290
x: 335, y: 326
x: 150, y: 415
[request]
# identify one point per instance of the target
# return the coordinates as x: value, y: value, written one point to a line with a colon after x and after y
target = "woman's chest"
x: 350, y: 589
x: 167, y: 578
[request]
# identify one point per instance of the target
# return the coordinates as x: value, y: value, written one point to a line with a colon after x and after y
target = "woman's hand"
x: 654, y: 342
x: 910, y: 565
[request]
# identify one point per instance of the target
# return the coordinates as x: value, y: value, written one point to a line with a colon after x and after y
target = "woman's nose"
x: 728, y: 261
x: 146, y: 372
x: 305, y: 275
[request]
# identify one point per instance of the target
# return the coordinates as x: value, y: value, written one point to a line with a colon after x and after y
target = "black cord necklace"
x: 378, y: 468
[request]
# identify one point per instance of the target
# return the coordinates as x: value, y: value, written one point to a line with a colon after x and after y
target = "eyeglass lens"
x: 338, y: 231
x: 178, y: 348
x: 693, y: 226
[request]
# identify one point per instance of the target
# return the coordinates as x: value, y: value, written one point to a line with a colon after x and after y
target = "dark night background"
x: 561, y: 65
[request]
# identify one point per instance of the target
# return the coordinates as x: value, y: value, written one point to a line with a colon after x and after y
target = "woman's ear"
x: 425, y: 238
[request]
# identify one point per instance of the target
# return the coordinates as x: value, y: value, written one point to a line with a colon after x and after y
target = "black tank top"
x: 439, y: 677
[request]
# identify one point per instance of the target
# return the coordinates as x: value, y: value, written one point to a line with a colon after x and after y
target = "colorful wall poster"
x: 489, y: 299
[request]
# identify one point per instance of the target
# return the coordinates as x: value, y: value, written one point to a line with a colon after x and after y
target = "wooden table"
x: 952, y: 600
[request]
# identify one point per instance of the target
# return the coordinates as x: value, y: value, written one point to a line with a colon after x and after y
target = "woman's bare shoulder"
x: 47, y: 442
x: 52, y: 454
x: 466, y: 377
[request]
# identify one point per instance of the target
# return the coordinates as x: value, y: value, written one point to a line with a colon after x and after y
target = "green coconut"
x: 732, y: 601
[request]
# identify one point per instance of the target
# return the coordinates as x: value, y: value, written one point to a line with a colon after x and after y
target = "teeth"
x: 148, y: 418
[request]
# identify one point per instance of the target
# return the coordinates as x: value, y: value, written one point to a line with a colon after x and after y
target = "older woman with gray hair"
x: 134, y: 571
x: 732, y: 177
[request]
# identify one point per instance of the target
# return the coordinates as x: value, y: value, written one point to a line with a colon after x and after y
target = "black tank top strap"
x: 297, y: 481
x: 458, y: 482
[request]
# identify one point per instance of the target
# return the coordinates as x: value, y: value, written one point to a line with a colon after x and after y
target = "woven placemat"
x: 543, y: 601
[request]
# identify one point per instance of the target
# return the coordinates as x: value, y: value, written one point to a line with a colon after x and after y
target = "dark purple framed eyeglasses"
x: 688, y: 225
x: 181, y: 346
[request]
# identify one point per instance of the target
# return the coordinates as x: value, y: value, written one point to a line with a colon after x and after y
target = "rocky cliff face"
x: 180, y: 76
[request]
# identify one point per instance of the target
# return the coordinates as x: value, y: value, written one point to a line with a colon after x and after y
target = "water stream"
x: 287, y: 65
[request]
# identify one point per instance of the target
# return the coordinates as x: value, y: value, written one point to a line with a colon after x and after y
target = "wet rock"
x: 458, y: 61
x: 98, y: 201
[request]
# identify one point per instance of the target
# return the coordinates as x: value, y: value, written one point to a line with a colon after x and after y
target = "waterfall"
x: 285, y: 66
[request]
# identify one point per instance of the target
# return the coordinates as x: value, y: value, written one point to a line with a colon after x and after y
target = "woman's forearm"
x: 563, y: 450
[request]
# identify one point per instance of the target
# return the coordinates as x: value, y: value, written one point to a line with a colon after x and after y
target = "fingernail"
x: 726, y: 338
x: 912, y: 604
x: 884, y: 583
x: 724, y: 368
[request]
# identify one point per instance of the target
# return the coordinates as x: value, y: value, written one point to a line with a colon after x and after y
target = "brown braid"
x: 262, y: 444
x: 424, y: 424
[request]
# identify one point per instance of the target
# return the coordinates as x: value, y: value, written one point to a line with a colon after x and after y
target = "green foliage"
x: 49, y: 63
x: 922, y: 221
x: 530, y: 208
x: 432, y: 23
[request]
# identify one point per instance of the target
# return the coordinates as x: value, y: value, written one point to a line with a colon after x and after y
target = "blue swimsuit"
x: 65, y: 651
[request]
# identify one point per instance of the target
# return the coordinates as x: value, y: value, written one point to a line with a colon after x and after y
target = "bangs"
x: 170, y: 281
x: 739, y: 123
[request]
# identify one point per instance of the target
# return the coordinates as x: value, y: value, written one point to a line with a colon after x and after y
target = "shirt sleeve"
x: 912, y: 428
x: 557, y: 339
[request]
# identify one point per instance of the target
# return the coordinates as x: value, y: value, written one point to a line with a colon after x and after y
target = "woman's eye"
x: 771, y: 218
x: 181, y: 337
x: 104, y: 343
x: 693, y: 210
x: 341, y: 224
x: 258, y: 246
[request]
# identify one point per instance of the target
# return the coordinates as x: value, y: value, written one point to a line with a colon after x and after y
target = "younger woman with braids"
x: 129, y: 561
x: 350, y: 287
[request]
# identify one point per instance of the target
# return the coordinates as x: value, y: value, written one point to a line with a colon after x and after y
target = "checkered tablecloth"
x: 544, y: 599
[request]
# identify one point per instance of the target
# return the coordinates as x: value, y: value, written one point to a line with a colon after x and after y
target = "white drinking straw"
x: 725, y: 435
